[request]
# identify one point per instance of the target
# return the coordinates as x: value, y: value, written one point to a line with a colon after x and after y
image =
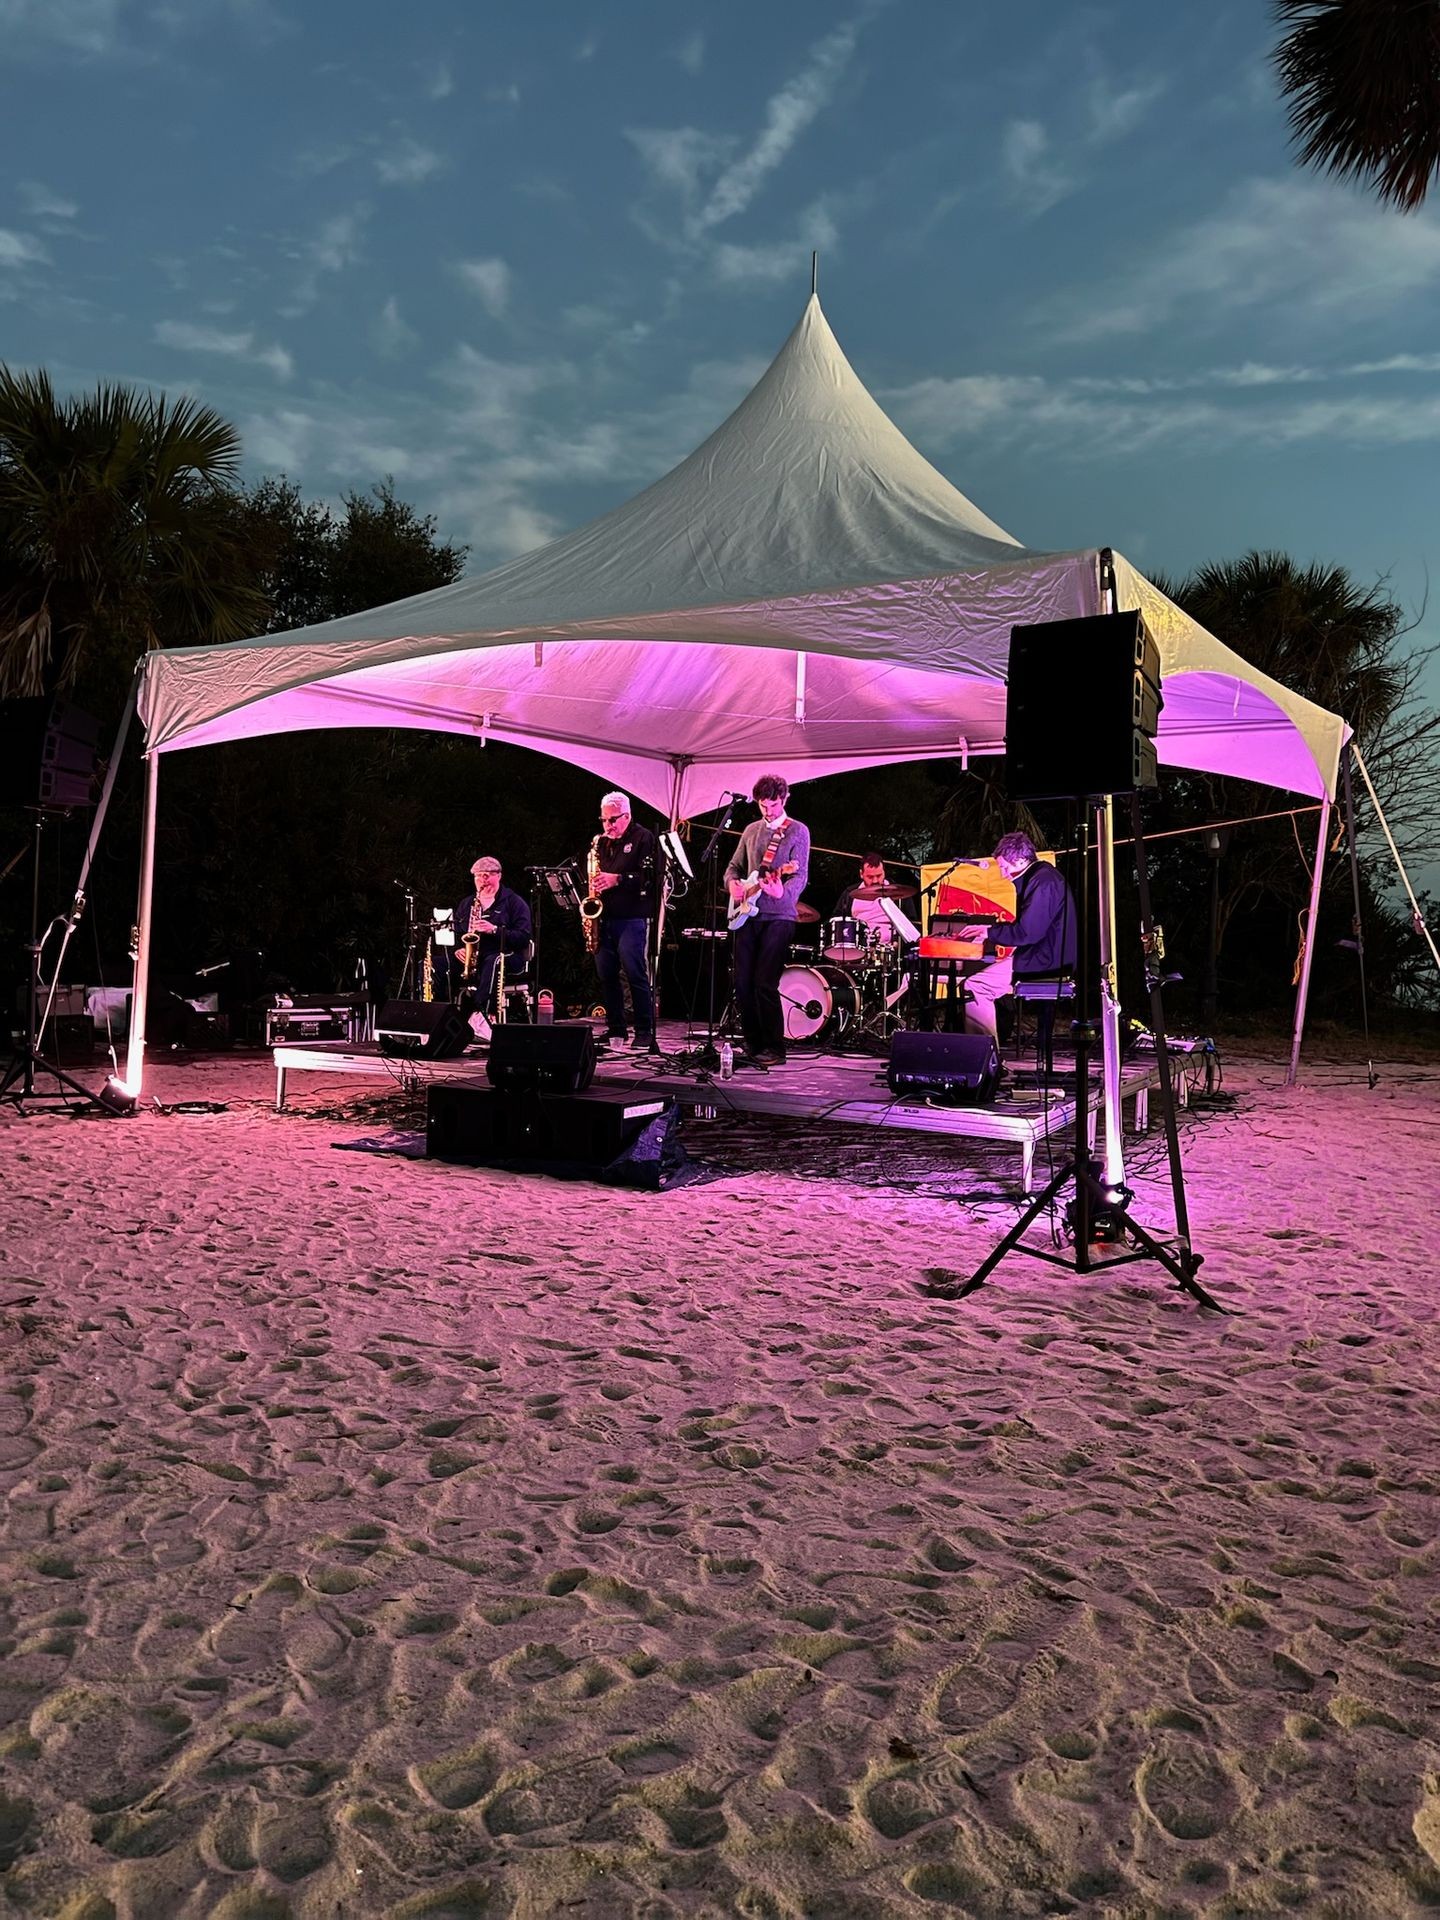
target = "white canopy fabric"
x: 804, y: 594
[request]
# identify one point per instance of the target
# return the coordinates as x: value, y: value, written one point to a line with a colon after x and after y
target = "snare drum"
x: 846, y: 940
x: 818, y: 1003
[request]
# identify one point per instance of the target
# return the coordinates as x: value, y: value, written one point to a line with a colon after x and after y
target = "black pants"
x: 760, y: 950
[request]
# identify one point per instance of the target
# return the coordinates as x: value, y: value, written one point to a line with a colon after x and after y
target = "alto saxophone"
x: 500, y: 986
x: 427, y: 972
x: 592, y: 906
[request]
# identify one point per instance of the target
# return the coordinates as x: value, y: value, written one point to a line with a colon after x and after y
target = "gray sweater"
x: 794, y: 845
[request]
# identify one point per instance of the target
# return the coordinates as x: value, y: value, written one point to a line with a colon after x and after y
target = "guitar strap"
x: 767, y: 858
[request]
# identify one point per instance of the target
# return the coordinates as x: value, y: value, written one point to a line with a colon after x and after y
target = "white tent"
x: 803, y: 593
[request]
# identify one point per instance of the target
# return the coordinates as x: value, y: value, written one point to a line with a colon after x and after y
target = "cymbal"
x: 883, y: 893
x: 802, y: 912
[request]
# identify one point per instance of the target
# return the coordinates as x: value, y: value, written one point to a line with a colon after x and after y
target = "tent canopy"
x: 803, y: 593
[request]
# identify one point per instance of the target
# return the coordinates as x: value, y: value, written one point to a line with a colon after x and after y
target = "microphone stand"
x: 705, y: 1061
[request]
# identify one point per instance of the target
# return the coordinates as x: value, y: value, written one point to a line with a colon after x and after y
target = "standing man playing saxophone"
x: 492, y: 919
x: 624, y: 878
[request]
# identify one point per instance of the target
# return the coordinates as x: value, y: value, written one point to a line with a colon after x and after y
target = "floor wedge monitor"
x: 962, y: 1069
x: 422, y: 1029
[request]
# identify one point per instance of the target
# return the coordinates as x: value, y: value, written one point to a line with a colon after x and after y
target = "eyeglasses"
x: 610, y: 818
x: 481, y: 872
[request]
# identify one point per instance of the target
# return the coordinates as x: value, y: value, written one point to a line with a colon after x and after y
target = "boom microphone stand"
x: 1094, y: 1206
x: 706, y: 1059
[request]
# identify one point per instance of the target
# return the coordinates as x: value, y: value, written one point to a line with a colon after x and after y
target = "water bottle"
x: 545, y: 1007
x: 727, y: 1060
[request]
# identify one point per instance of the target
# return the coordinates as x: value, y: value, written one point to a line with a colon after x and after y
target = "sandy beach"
x: 390, y: 1537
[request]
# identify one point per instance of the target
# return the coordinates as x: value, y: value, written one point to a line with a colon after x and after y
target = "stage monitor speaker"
x: 960, y: 1068
x: 610, y: 1135
x: 422, y: 1029
x: 558, y: 1058
x: 1082, y: 703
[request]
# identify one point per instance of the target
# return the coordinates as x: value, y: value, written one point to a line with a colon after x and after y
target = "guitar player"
x: 770, y: 867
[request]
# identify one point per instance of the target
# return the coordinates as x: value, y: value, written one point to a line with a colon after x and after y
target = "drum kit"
x: 848, y: 986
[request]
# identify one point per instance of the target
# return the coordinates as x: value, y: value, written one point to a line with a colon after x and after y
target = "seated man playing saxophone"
x: 494, y: 919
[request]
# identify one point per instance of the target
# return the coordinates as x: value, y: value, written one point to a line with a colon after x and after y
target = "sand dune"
x: 385, y: 1537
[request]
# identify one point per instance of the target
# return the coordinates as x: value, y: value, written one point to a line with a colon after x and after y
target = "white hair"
x: 617, y: 800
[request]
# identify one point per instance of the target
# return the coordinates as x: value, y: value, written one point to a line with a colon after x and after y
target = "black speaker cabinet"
x: 1082, y: 703
x: 422, y: 1029
x: 962, y: 1068
x: 480, y: 1126
x: 559, y: 1058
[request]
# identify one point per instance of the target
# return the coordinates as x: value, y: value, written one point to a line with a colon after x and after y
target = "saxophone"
x: 500, y: 986
x: 427, y: 972
x: 591, y: 907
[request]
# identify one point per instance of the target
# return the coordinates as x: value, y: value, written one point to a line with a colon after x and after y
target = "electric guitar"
x: 748, y: 904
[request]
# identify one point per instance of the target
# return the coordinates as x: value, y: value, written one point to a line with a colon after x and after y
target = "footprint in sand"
x: 971, y: 1696
x: 1183, y: 1791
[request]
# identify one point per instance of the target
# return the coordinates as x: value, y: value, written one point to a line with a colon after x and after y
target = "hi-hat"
x: 883, y: 893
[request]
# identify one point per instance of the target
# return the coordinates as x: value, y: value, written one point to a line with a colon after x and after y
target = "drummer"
x: 861, y: 901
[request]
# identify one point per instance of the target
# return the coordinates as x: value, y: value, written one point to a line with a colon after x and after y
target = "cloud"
x: 19, y: 250
x: 1214, y: 409
x: 1308, y: 246
x: 241, y: 345
x: 44, y: 204
x: 439, y: 81
x: 1115, y: 113
x: 787, y: 115
x: 494, y: 395
x: 390, y: 333
x: 490, y: 282
x: 680, y: 158
x: 334, y: 248
x: 690, y: 53
x: 86, y: 26
x: 1036, y: 180
x: 407, y: 164
x: 778, y: 260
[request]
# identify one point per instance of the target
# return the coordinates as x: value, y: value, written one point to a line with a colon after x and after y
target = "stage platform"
x: 848, y: 1088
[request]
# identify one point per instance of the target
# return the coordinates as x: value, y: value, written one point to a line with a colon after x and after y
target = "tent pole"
x: 135, y: 1051
x: 1302, y: 992
x: 1114, y: 1152
x: 677, y: 775
x: 1107, y: 597
x: 1417, y: 918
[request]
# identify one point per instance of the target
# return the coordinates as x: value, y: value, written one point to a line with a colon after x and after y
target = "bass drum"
x: 818, y: 1002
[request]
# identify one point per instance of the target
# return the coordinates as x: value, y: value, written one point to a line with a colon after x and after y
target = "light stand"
x: 1096, y: 1211
x: 28, y: 1060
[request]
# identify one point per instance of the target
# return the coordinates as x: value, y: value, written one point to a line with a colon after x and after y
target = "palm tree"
x: 1362, y: 82
x: 118, y: 530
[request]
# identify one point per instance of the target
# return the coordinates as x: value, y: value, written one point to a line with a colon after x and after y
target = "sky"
x: 524, y: 258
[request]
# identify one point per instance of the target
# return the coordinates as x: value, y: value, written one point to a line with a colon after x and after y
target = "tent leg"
x: 1109, y: 997
x: 1302, y: 992
x: 677, y: 775
x: 135, y: 1051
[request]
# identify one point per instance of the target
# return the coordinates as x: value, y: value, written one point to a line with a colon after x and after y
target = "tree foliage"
x: 1322, y: 634
x: 116, y: 532
x: 1361, y: 79
x: 312, y: 564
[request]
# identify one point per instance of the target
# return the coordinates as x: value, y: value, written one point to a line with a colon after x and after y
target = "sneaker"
x: 772, y: 1056
x: 643, y: 1042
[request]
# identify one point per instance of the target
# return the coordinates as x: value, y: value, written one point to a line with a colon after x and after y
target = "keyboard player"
x: 1040, y: 939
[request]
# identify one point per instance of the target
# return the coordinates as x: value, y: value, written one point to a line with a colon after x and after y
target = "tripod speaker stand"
x: 1094, y: 1207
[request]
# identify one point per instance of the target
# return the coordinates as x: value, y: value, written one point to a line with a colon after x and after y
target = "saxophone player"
x: 623, y: 875
x: 494, y: 919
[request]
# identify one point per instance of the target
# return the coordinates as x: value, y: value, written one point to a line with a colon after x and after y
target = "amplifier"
x: 339, y: 1017
x: 480, y: 1126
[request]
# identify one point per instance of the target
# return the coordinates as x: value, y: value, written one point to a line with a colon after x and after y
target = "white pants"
x: 985, y: 988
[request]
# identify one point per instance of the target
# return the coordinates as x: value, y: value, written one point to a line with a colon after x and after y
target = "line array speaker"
x: 1082, y: 704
